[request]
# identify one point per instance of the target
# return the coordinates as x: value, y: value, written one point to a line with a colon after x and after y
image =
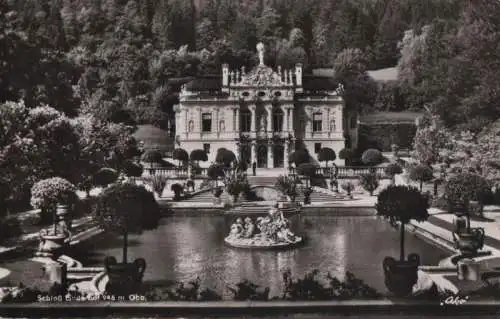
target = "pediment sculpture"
x: 261, y: 76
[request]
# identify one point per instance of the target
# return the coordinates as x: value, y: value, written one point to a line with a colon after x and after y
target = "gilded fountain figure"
x: 271, y: 231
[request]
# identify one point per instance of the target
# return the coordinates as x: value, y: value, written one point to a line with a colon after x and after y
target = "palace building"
x: 262, y: 115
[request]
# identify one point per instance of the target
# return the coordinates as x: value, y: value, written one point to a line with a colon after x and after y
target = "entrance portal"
x: 262, y: 156
x: 279, y: 156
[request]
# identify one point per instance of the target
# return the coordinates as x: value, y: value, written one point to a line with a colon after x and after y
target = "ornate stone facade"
x: 262, y: 115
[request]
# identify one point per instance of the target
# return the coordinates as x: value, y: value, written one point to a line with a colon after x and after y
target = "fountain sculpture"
x: 271, y: 231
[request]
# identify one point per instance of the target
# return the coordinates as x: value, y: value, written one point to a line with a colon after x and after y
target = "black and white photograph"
x: 249, y: 158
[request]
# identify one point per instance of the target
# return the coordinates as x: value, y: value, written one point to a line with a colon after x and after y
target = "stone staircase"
x: 262, y: 180
x: 319, y: 197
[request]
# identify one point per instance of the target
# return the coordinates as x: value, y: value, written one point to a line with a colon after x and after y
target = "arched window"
x: 245, y: 120
x: 317, y: 122
x: 278, y: 120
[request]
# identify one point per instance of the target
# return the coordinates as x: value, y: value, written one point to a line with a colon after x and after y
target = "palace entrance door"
x: 279, y: 156
x: 262, y: 156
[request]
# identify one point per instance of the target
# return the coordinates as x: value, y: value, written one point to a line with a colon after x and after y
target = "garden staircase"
x: 262, y: 180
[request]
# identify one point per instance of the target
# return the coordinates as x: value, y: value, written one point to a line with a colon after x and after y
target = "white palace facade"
x: 262, y: 115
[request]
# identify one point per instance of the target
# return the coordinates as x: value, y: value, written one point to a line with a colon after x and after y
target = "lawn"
x: 154, y: 137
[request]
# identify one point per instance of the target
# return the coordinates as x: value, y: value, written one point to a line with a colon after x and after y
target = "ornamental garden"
x: 76, y: 187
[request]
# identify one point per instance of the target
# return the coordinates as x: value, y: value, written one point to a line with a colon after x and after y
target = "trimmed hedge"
x: 382, y: 136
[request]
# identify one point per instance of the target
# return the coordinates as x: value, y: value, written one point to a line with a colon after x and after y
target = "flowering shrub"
x: 369, y: 182
x: 348, y: 187
x: 47, y: 193
x: 465, y: 187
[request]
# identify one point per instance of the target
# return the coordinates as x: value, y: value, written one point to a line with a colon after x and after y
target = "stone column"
x: 200, y: 121
x: 291, y: 121
x: 328, y: 128
x: 285, y: 119
x: 217, y: 129
x: 186, y: 124
x: 270, y: 149
x: 254, y: 118
x: 285, y: 156
x: 237, y: 123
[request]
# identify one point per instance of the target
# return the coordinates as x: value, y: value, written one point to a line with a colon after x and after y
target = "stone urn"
x: 401, y: 276
x: 124, y: 278
x: 470, y: 241
x: 52, y: 243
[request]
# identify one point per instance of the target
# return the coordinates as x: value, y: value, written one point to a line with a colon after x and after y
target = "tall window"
x: 206, y: 122
x: 278, y: 120
x: 245, y: 120
x: 317, y: 122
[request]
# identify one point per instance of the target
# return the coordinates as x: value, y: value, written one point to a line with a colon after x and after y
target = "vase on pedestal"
x: 401, y: 275
x: 124, y: 278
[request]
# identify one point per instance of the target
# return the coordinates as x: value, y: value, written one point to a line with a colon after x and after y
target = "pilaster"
x: 269, y: 111
x: 270, y: 149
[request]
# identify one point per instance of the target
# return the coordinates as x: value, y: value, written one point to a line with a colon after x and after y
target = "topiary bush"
x: 180, y: 155
x: 198, y: 155
x: 132, y: 169
x: 369, y: 182
x: 127, y: 208
x: 392, y: 170
x: 372, y: 157
x: 400, y: 204
x: 225, y: 157
x: 421, y: 173
x: 346, y: 154
x: 105, y: 176
x: 326, y: 154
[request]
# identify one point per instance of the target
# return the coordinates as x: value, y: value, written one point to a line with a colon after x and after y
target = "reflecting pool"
x: 186, y: 247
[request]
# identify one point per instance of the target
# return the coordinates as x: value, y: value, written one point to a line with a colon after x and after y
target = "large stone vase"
x: 124, y: 278
x: 469, y: 242
x: 52, y: 244
x: 401, y: 276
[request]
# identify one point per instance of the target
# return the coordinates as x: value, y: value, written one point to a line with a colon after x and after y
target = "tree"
x: 400, y: 204
x: 180, y: 155
x: 360, y: 90
x: 462, y: 188
x: 127, y: 208
x: 421, y: 173
x: 326, y: 154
